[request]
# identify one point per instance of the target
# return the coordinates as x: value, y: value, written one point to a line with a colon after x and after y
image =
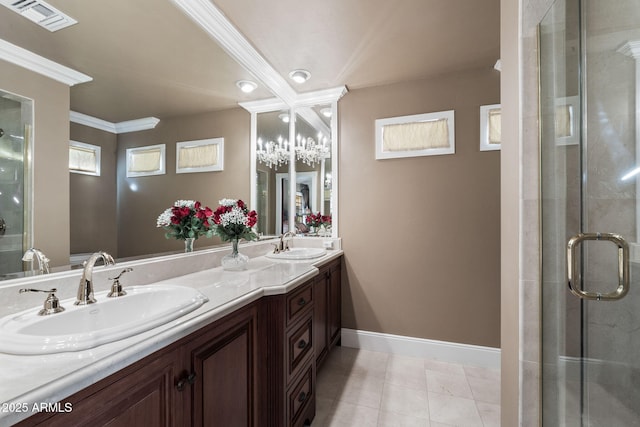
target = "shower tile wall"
x: 612, y: 204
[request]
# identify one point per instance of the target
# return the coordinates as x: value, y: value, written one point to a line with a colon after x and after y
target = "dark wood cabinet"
x: 335, y: 302
x: 207, y: 378
x: 137, y: 395
x: 223, y: 370
x: 327, y: 322
x: 254, y: 367
x: 287, y: 367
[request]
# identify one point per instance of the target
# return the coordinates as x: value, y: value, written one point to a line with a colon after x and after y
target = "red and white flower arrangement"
x: 234, y: 221
x: 317, y: 220
x: 186, y: 219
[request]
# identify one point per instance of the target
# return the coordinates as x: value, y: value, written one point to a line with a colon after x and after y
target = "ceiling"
x: 147, y: 58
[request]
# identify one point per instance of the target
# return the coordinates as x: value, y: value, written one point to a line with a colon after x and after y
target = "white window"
x: 84, y: 158
x: 145, y: 161
x: 427, y: 134
x: 205, y: 155
x: 490, y: 127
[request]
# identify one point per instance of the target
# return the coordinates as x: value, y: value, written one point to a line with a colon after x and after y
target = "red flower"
x: 240, y: 204
x: 252, y: 218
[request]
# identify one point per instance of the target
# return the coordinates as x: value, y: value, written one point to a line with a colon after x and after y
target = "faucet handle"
x: 51, y: 304
x: 116, y: 287
x: 126, y: 270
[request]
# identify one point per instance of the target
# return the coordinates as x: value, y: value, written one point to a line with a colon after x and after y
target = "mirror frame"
x: 307, y: 99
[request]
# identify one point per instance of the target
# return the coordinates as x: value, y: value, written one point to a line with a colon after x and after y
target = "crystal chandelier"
x: 273, y: 154
x: 311, y: 152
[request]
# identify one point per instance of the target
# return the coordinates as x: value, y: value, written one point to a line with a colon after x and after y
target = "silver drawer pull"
x: 573, y: 277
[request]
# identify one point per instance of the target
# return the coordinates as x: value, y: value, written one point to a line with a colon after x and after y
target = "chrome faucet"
x: 43, y: 261
x: 283, y: 246
x: 85, y: 289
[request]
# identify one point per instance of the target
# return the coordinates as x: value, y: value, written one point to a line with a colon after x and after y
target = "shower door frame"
x: 597, y: 366
x: 27, y: 118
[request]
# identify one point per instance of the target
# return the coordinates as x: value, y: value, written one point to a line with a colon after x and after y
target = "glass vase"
x: 235, y: 261
x: 188, y: 244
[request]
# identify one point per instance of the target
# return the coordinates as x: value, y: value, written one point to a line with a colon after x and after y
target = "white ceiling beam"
x: 216, y: 24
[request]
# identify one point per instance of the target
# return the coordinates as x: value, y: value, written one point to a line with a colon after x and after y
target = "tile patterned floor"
x: 364, y: 388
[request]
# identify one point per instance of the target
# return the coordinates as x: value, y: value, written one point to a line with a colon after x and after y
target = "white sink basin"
x: 298, y: 254
x: 110, y: 319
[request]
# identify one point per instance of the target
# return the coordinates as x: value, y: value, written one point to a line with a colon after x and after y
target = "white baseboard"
x: 487, y: 357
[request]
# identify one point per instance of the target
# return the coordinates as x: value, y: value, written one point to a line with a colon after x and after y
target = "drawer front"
x: 298, y: 302
x: 299, y: 397
x: 299, y: 346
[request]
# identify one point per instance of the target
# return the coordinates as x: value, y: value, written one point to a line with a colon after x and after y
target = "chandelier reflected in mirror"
x: 311, y: 152
x: 273, y: 154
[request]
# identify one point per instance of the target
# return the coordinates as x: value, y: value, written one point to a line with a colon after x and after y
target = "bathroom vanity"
x: 249, y: 360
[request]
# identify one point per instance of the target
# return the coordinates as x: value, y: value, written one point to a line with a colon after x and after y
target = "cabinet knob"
x: 302, y: 344
x: 302, y: 396
x: 189, y: 379
x: 301, y: 302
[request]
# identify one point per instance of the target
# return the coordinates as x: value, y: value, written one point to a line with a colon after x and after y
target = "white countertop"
x: 29, y: 380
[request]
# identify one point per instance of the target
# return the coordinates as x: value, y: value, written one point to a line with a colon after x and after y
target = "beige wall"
x: 510, y: 210
x: 422, y: 235
x: 142, y: 199
x: 50, y: 157
x: 93, y: 198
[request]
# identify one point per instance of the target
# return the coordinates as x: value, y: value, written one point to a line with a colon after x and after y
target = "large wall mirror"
x: 294, y: 164
x: 140, y: 69
x: 141, y: 65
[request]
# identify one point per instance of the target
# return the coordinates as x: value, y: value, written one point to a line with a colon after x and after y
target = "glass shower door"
x: 590, y: 159
x: 15, y: 125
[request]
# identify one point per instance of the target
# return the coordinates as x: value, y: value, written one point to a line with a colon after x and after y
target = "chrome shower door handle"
x: 573, y: 275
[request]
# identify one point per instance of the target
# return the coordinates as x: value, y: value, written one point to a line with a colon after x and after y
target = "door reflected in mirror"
x: 313, y: 165
x: 272, y: 155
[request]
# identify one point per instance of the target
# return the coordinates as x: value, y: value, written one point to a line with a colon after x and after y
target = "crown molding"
x: 264, y: 105
x: 41, y: 65
x: 319, y: 97
x: 215, y: 23
x: 116, y: 128
x: 94, y: 122
x: 631, y: 48
x: 137, y: 125
x: 306, y: 99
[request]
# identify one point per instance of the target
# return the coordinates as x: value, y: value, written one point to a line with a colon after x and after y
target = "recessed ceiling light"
x: 299, y: 76
x: 284, y: 117
x: 326, y: 112
x: 246, y: 86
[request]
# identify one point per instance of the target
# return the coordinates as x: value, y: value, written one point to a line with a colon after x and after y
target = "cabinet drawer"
x: 299, y: 397
x: 299, y: 346
x: 300, y: 300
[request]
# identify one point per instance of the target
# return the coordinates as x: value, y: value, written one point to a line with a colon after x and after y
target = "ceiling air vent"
x: 41, y: 13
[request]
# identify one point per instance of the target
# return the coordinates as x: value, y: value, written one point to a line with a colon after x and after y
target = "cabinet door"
x: 138, y: 396
x: 224, y: 364
x: 320, y: 316
x: 335, y: 303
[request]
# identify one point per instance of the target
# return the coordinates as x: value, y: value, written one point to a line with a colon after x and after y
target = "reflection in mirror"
x: 313, y: 165
x: 293, y: 182
x: 272, y: 160
x: 15, y: 124
x: 192, y: 95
